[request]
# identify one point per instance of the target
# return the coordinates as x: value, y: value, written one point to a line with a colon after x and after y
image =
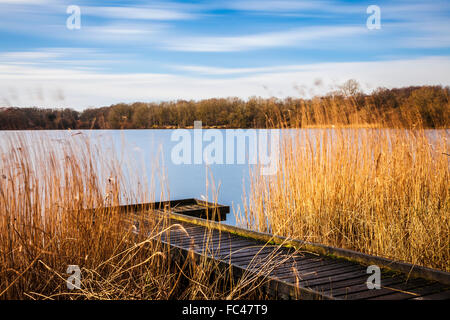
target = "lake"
x: 153, y: 149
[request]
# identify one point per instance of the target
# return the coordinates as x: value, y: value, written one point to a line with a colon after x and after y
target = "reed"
x: 381, y: 191
x: 46, y: 187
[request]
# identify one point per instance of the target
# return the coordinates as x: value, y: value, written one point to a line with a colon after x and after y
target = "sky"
x: 127, y: 51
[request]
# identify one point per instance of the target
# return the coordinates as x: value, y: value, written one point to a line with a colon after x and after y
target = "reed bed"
x: 46, y: 187
x: 374, y: 189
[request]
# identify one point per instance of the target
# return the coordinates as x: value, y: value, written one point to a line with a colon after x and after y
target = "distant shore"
x: 409, y: 107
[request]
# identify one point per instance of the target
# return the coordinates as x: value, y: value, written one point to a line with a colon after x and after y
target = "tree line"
x: 427, y: 106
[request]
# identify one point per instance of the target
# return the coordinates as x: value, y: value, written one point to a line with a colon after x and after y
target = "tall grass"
x: 46, y: 185
x: 382, y: 191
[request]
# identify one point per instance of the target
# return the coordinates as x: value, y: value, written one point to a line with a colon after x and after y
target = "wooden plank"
x: 261, y: 262
x: 182, y: 243
x: 314, y: 274
x: 224, y: 250
x: 326, y: 271
x: 365, y: 259
x: 316, y: 267
x: 320, y: 268
x: 310, y: 282
x: 249, y: 258
x: 214, y: 244
x: 252, y: 258
x: 200, y: 236
x: 180, y: 236
x: 417, y: 292
x: 305, y: 261
x: 260, y: 253
x: 193, y: 207
x: 339, y: 284
x: 314, y: 264
x: 235, y: 243
x: 334, y: 270
x: 221, y: 247
x: 445, y: 295
x: 188, y: 243
x: 191, y: 233
x: 244, y: 253
x: 393, y: 285
x: 181, y: 229
x: 382, y: 293
x: 179, y: 239
x: 226, y: 246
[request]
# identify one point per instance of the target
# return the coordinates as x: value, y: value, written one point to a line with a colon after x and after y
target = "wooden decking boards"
x: 292, y: 269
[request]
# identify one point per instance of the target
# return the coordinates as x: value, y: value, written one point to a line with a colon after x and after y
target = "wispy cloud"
x: 294, y: 6
x: 424, y: 34
x: 120, y: 33
x: 207, y: 70
x: 44, y: 59
x: 294, y: 37
x: 154, y: 12
x: 391, y: 9
x: 22, y: 56
x: 22, y: 2
x: 246, y: 47
x: 48, y: 17
x: 87, y: 88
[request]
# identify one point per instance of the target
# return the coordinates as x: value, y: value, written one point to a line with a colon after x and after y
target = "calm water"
x: 151, y: 150
x: 183, y: 180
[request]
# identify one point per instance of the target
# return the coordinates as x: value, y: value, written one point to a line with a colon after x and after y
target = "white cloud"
x: 294, y: 37
x: 393, y: 10
x: 234, y: 71
x: 47, y: 18
x: 81, y: 88
x: 123, y: 32
x: 21, y: 56
x: 427, y: 34
x: 138, y: 12
x: 270, y: 5
x: 409, y: 25
x: 44, y: 55
x: 21, y: 2
x: 294, y: 6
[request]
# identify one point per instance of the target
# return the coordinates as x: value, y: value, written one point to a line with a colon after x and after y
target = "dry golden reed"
x: 382, y: 191
x: 46, y: 185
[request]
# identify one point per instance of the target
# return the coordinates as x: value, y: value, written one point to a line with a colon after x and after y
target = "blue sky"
x: 129, y: 51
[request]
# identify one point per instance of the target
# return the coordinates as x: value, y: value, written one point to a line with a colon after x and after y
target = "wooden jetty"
x: 292, y: 269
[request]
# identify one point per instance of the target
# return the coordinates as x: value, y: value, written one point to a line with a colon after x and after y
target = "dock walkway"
x: 292, y: 269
